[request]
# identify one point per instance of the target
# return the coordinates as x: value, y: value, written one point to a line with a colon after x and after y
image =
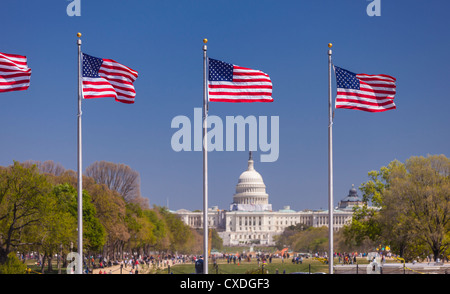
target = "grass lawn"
x: 309, y: 266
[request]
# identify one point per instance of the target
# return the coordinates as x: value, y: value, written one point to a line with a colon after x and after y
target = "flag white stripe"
x: 14, y: 58
x: 103, y: 93
x: 365, y: 76
x: 363, y: 87
x: 341, y: 90
x: 356, y: 104
x: 363, y: 99
x: 215, y: 90
x: 115, y: 74
x: 17, y: 79
x: 14, y: 86
x: 125, y: 68
x: 240, y: 83
x: 238, y: 97
x: 15, y: 67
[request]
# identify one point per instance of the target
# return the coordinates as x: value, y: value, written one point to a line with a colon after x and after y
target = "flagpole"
x: 79, y: 267
x: 330, y: 165
x: 205, y: 161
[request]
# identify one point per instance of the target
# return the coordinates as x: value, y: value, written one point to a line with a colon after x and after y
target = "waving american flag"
x: 372, y: 93
x: 14, y: 73
x: 107, y: 78
x: 232, y: 83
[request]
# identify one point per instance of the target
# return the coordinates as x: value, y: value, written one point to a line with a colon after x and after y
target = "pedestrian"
x: 199, y: 266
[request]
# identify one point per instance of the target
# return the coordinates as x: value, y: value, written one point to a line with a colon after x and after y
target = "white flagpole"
x: 330, y: 165
x: 205, y: 161
x: 79, y: 267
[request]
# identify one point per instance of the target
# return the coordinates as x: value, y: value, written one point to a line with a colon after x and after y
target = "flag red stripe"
x: 15, y: 75
x: 366, y: 109
x: 250, y: 80
x: 379, y: 85
x: 340, y: 100
x: 375, y: 95
x: 239, y: 100
x: 376, y: 77
x: 241, y: 93
x: 135, y: 73
x: 13, y: 82
x: 124, y: 101
x: 14, y: 89
x: 235, y: 73
x: 98, y: 96
x: 240, y: 86
x: 18, y: 69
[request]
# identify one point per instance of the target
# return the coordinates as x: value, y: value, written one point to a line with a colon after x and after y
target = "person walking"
x: 199, y: 265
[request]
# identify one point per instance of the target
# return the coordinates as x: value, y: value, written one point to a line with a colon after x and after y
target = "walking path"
x: 115, y: 269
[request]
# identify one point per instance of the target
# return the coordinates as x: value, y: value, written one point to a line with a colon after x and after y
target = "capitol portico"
x: 251, y: 220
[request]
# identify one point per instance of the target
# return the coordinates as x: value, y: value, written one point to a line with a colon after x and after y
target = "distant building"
x: 251, y: 220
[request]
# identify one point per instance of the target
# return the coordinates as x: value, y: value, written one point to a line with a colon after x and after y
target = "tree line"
x: 406, y: 209
x: 38, y: 213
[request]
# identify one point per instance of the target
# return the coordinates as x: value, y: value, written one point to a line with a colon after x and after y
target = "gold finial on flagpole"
x: 330, y: 45
x: 205, y: 41
x: 79, y: 35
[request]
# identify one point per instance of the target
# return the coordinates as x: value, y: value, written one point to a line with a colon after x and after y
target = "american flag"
x: 14, y: 73
x: 107, y: 78
x: 232, y: 83
x: 372, y: 93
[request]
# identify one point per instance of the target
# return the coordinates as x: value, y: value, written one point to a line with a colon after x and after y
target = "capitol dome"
x: 351, y: 200
x: 251, y: 190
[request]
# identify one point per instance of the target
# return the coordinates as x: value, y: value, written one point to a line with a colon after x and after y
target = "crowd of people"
x: 133, y: 263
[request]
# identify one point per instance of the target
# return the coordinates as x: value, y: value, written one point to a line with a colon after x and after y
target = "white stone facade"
x: 250, y: 219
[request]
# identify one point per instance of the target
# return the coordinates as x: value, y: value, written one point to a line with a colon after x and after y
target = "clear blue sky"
x: 162, y: 40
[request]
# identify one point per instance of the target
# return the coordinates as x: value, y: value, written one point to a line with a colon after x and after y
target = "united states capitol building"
x: 251, y: 220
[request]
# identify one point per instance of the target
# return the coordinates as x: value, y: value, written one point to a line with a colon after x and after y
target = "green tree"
x: 12, y: 265
x: 419, y: 194
x: 160, y: 231
x: 58, y: 227
x: 111, y: 211
x: 94, y: 234
x: 180, y: 235
x: 310, y: 240
x: 216, y: 241
x: 283, y: 240
x: 23, y: 199
x: 412, y: 207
